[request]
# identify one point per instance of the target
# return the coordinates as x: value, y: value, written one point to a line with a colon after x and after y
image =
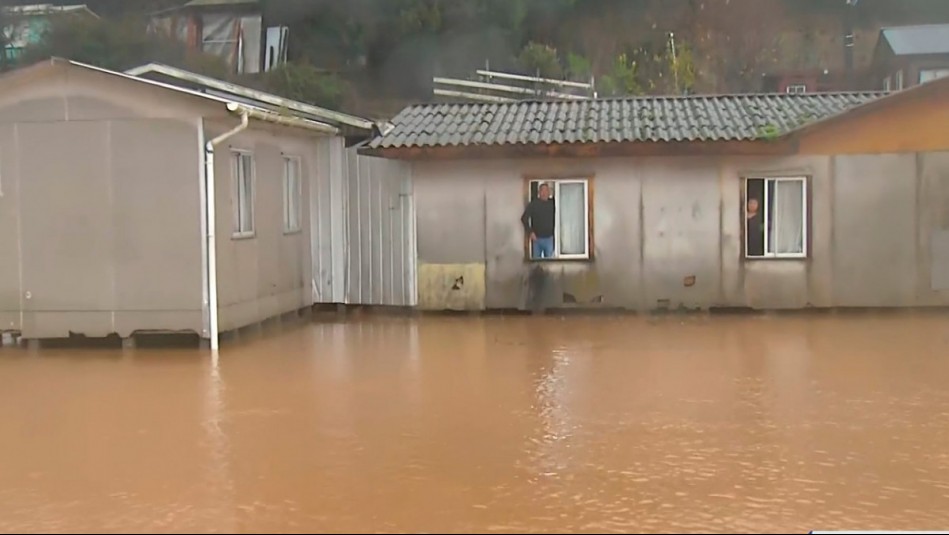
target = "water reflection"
x: 538, y: 424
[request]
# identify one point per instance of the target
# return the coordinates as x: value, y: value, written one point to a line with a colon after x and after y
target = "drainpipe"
x: 212, y: 221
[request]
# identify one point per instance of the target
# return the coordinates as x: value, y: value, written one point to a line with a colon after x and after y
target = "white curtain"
x: 571, y: 204
x: 788, y: 217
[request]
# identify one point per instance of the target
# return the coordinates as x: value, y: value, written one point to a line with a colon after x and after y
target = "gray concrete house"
x: 652, y: 201
x: 129, y: 204
x: 906, y: 56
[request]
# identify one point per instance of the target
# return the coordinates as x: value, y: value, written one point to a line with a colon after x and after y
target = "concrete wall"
x: 10, y: 284
x: 363, y: 229
x: 907, y: 122
x: 668, y: 233
x: 100, y: 212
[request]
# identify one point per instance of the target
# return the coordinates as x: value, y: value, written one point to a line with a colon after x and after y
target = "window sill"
x: 243, y: 235
x: 292, y: 232
x: 775, y: 258
x: 556, y: 260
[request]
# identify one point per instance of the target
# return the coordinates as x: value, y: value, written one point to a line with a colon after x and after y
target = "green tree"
x: 418, y: 16
x: 682, y: 65
x: 118, y: 44
x: 622, y: 79
x: 579, y: 68
x: 541, y: 59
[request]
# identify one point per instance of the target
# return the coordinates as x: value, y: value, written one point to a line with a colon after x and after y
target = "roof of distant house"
x: 916, y: 40
x: 639, y: 119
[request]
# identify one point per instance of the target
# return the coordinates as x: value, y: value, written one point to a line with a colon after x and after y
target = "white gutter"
x: 283, y: 120
x: 508, y: 89
x: 246, y: 114
x: 471, y: 96
x: 212, y: 221
x: 274, y: 100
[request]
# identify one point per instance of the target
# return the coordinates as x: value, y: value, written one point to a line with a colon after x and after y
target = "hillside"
x: 389, y: 50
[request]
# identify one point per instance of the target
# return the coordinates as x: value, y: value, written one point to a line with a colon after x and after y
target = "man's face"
x: 543, y: 193
x: 752, y: 206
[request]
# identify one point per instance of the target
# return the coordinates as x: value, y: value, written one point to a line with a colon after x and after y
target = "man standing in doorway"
x: 538, y: 220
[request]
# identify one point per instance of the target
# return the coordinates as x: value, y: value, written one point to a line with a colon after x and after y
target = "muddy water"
x: 495, y: 424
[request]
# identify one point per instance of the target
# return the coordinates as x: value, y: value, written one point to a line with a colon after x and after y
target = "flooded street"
x: 534, y: 424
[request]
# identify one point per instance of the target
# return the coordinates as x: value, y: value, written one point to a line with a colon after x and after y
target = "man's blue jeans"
x: 543, y: 248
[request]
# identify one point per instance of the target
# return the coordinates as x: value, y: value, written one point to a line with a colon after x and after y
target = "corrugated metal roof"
x: 649, y: 119
x: 913, y: 40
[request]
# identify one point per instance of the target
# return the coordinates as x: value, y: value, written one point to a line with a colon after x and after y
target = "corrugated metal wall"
x: 363, y: 218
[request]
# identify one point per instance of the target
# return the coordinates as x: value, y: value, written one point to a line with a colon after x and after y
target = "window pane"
x: 292, y: 195
x: 788, y: 217
x: 573, y: 224
x: 236, y: 189
x: 247, y: 190
x: 754, y: 217
x: 297, y: 197
x: 287, y: 188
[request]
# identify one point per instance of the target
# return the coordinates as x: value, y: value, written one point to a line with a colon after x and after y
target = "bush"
x: 621, y: 80
x: 579, y: 68
x: 541, y: 59
x: 118, y: 45
x: 303, y: 82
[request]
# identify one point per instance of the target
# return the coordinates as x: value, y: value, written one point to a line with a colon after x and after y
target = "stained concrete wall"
x: 668, y: 233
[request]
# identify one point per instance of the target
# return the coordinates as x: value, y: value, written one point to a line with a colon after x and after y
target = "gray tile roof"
x: 912, y: 40
x: 658, y: 119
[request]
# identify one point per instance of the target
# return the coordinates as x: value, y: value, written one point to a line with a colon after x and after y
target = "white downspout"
x: 212, y: 221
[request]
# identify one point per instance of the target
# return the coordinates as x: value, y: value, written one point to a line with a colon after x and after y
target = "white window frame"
x: 888, y: 83
x: 898, y: 80
x: 796, y: 89
x: 292, y: 223
x: 763, y: 205
x: 587, y: 243
x: 236, y: 184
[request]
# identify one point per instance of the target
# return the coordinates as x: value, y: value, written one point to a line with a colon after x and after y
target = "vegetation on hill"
x: 358, y: 50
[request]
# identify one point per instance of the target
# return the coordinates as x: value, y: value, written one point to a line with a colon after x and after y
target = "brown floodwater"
x: 507, y: 424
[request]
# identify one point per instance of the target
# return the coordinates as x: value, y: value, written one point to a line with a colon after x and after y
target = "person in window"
x: 538, y: 220
x: 755, y: 224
